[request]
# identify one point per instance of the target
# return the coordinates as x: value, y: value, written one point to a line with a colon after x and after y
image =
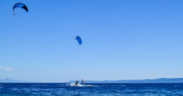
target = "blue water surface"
x: 63, y: 89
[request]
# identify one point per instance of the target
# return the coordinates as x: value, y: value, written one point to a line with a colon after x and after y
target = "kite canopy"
x: 78, y: 38
x: 20, y: 5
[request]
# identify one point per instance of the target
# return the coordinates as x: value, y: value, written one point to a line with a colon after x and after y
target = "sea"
x: 99, y: 89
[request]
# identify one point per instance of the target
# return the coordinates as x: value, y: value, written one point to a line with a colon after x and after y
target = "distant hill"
x: 7, y: 80
x: 160, y: 80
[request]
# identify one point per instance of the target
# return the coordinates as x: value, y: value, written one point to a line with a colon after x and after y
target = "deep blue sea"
x: 63, y: 89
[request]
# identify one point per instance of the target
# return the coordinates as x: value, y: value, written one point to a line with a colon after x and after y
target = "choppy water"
x: 62, y: 89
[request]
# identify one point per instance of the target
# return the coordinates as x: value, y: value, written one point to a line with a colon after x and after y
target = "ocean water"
x: 63, y: 89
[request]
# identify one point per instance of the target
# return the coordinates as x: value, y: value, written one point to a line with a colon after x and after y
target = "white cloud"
x: 7, y: 69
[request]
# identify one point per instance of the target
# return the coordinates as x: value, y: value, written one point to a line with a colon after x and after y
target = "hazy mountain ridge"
x: 160, y: 80
x: 7, y: 80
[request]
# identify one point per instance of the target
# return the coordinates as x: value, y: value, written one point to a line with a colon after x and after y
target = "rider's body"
x: 76, y: 82
x: 82, y: 81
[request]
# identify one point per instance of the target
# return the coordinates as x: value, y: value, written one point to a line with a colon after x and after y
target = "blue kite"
x: 20, y: 5
x: 78, y: 38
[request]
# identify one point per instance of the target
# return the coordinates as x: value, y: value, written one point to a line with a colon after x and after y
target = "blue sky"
x: 122, y: 39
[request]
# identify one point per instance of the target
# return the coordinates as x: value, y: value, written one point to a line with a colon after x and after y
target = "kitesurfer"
x: 76, y: 82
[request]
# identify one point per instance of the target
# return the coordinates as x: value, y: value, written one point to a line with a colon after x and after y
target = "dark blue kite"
x: 78, y: 38
x: 20, y: 5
